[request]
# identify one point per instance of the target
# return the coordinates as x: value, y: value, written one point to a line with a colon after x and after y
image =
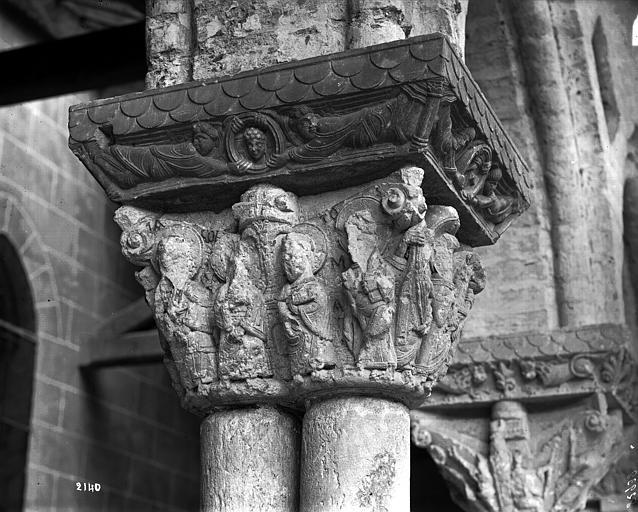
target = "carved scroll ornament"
x: 370, y: 293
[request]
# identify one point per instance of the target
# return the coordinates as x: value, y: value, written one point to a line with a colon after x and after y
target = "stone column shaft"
x: 250, y: 460
x: 541, y: 59
x: 168, y: 42
x: 356, y: 456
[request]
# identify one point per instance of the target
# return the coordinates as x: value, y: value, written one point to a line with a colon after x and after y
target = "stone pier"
x: 304, y: 234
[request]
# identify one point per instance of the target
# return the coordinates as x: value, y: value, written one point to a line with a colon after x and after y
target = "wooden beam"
x: 117, y: 343
x: 141, y: 347
x: 92, y: 61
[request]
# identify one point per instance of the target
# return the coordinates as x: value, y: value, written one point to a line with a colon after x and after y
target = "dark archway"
x: 17, y: 364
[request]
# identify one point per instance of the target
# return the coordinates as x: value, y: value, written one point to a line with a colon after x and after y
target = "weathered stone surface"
x: 250, y: 461
x: 563, y: 413
x: 523, y: 461
x: 238, y: 36
x: 168, y: 42
x: 306, y: 296
x: 355, y: 456
x: 177, y: 149
x: 534, y: 366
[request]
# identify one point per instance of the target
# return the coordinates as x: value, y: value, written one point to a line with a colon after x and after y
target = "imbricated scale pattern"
x: 301, y: 124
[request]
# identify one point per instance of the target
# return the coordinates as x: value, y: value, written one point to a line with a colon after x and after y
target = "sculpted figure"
x: 407, y: 207
x: 303, y: 307
x: 370, y: 290
x: 395, y: 120
x: 496, y: 208
x: 129, y: 166
x: 184, y: 303
x: 240, y: 314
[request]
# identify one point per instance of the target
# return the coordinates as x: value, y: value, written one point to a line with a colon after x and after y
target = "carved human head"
x: 179, y: 254
x: 138, y: 233
x: 265, y: 202
x: 514, y: 416
x: 298, y: 256
x: 405, y: 202
x: 307, y: 126
x: 205, y: 138
x: 493, y: 177
x: 255, y: 141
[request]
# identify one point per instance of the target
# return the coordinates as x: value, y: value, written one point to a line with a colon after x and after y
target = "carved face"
x: 176, y: 261
x: 255, y: 143
x: 489, y: 188
x: 203, y: 143
x: 307, y: 126
x: 297, y: 257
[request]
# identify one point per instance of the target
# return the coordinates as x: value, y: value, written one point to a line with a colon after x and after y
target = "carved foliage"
x: 526, y: 463
x: 613, y: 371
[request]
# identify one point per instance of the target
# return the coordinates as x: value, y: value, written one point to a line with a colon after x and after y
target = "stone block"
x: 16, y: 121
x: 109, y: 467
x: 148, y: 481
x: 168, y: 450
x: 69, y: 498
x: 83, y: 324
x: 98, y: 254
x: 59, y: 361
x: 39, y: 490
x: 47, y: 400
x: 71, y: 196
x: 21, y: 166
x: 58, y: 450
x: 15, y: 222
x: 117, y: 388
x: 56, y: 230
x: 48, y: 107
x: 49, y: 318
x: 155, y: 404
x: 109, y: 298
x: 184, y: 492
x: 49, y: 141
x: 33, y: 254
x: 75, y: 283
x: 85, y: 416
x: 44, y: 285
x: 115, y: 500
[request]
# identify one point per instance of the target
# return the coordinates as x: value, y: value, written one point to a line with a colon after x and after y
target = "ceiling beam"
x: 93, y: 61
x: 117, y: 342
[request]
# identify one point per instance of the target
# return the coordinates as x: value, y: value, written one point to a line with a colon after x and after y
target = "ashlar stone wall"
x: 122, y: 428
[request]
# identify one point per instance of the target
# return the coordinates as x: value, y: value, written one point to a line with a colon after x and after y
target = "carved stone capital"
x: 291, y: 298
x: 518, y: 460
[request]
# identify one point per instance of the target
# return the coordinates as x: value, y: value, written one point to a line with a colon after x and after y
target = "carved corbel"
x: 521, y: 461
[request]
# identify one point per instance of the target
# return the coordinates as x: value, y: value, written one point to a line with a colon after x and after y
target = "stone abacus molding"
x: 312, y: 126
